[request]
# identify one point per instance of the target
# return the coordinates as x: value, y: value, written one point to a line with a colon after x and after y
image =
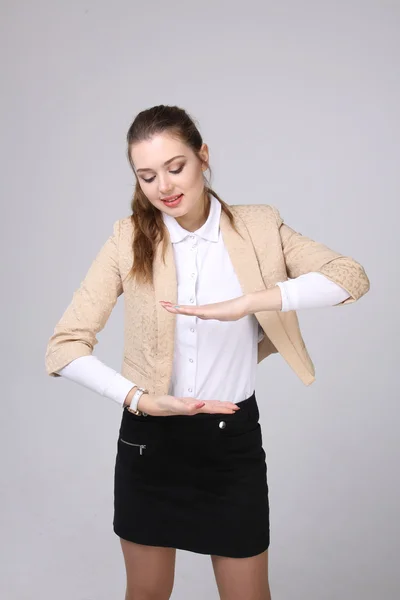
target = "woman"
x: 207, y: 297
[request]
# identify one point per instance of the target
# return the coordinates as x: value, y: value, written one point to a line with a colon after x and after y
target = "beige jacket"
x: 269, y: 251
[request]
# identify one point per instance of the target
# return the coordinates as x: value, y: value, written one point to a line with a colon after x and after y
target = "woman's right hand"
x: 165, y: 406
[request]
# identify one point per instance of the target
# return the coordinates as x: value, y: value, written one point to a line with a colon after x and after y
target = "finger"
x: 180, y: 309
x: 217, y: 411
x: 187, y: 406
x: 198, y: 404
x: 222, y: 404
x: 191, y: 409
x: 185, y: 309
x: 226, y: 408
x: 211, y: 403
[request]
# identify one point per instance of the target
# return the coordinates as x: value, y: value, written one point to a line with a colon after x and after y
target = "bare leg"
x: 239, y: 578
x: 150, y: 571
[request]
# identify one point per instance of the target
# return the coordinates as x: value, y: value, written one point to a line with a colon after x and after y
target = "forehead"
x: 155, y: 151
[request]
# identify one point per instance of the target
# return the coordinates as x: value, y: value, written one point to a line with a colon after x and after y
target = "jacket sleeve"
x: 304, y: 255
x: 91, y: 305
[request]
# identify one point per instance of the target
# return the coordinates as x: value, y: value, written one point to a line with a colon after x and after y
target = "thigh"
x: 150, y: 571
x: 239, y: 578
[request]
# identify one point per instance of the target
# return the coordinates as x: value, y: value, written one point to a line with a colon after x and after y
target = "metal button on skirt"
x: 196, y: 483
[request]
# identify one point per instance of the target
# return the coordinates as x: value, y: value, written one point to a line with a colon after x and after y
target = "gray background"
x: 298, y: 102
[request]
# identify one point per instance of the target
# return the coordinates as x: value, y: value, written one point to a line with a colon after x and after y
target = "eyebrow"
x: 165, y: 164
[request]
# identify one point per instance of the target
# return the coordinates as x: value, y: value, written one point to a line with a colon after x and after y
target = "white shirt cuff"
x: 90, y: 372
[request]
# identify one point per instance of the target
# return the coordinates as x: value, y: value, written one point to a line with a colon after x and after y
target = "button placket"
x: 193, y: 276
x: 188, y: 278
x: 191, y: 368
x: 192, y: 340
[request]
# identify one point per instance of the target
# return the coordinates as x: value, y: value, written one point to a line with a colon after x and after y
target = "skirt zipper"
x: 141, y: 446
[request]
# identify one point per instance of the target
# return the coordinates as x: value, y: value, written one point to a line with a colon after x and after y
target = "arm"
x: 318, y: 276
x: 311, y: 290
x: 93, y: 374
x: 75, y: 336
x: 91, y: 305
x: 304, y: 255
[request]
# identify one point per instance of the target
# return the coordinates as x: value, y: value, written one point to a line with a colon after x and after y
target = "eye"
x: 177, y: 170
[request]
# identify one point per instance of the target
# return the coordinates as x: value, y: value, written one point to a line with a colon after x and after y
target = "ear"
x: 204, y: 156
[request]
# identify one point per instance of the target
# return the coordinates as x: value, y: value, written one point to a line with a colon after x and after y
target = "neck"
x: 198, y: 215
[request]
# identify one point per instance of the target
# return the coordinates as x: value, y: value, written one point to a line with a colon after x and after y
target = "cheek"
x: 194, y: 178
x: 150, y: 191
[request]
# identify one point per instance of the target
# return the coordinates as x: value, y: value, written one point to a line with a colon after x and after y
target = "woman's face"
x: 170, y: 174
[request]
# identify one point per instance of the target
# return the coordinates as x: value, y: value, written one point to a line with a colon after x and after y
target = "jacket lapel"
x: 244, y: 260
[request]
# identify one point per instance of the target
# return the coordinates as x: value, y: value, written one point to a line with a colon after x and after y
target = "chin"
x: 179, y: 211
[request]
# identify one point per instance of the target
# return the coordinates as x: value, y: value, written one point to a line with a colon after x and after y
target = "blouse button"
x: 222, y: 424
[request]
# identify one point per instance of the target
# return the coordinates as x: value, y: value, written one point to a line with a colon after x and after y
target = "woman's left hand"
x: 229, y: 310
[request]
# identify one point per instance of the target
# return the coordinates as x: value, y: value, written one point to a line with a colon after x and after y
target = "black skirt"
x: 196, y: 483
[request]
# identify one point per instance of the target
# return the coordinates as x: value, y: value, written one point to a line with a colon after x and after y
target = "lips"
x: 171, y: 198
x: 172, y: 201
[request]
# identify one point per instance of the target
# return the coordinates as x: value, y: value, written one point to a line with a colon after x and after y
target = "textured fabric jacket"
x: 267, y: 251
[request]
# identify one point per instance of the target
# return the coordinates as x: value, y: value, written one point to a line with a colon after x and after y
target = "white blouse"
x: 213, y: 360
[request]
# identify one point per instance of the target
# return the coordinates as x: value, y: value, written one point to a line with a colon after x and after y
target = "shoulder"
x: 123, y: 227
x: 257, y: 214
x: 125, y: 223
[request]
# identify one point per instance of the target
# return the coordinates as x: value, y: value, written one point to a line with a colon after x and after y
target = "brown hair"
x: 147, y: 220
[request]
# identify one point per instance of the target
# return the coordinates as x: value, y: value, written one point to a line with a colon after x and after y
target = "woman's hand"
x: 229, y: 310
x: 164, y: 406
x: 232, y: 310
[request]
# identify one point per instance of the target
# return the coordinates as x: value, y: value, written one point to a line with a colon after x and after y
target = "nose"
x: 164, y: 185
